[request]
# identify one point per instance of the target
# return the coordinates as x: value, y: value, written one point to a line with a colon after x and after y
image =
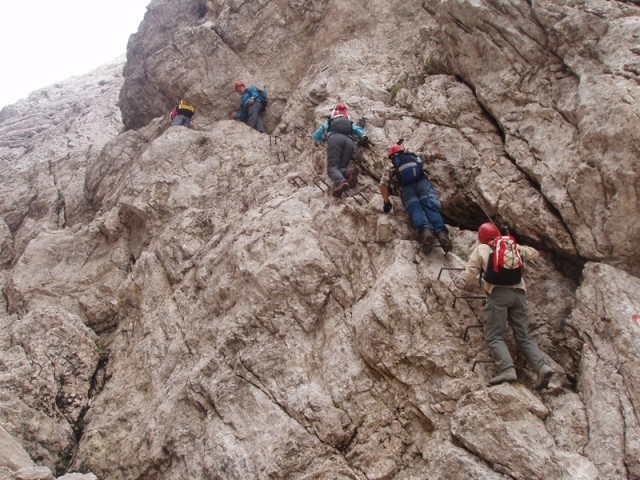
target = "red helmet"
x: 395, y: 149
x: 488, y: 232
x: 239, y: 84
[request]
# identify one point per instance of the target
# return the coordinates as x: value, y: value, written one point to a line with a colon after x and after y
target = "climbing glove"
x: 387, y: 206
x: 364, y: 142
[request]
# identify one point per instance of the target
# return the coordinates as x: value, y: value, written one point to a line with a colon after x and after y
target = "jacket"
x: 322, y: 132
x: 248, y: 94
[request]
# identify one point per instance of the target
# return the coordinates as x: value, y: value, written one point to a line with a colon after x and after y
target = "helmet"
x: 239, y: 84
x: 488, y: 232
x: 339, y: 110
x: 395, y: 149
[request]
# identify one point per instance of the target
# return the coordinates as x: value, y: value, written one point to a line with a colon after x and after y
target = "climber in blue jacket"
x: 338, y: 131
x: 252, y: 105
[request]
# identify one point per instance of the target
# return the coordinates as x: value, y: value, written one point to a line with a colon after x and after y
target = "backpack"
x: 340, y: 124
x: 409, y: 167
x: 263, y: 98
x: 505, y: 263
x: 186, y: 109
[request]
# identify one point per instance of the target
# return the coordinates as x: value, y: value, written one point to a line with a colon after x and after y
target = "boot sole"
x: 506, y: 380
x: 544, y: 382
x: 340, y: 190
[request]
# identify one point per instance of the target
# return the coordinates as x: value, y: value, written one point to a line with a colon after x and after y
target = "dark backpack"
x: 340, y: 125
x: 409, y: 167
x: 263, y: 98
x: 505, y: 263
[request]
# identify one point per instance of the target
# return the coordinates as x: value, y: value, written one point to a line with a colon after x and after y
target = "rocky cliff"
x: 193, y: 303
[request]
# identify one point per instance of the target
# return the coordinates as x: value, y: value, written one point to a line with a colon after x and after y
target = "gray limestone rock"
x: 195, y: 304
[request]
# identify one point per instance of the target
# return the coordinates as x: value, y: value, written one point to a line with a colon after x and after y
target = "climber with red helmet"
x: 253, y: 103
x: 405, y: 171
x: 338, y: 131
x: 498, y: 261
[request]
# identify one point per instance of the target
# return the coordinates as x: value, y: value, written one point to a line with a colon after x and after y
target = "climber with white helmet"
x: 338, y: 131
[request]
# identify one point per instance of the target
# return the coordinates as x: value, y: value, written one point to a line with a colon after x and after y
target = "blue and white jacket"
x: 248, y: 94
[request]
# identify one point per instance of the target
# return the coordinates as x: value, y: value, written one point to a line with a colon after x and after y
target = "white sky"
x: 45, y: 41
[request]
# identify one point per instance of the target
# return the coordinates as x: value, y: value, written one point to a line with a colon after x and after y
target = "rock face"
x: 192, y: 303
x: 50, y: 349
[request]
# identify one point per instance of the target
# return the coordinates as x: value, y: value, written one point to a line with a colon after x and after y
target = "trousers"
x: 339, y: 152
x: 254, y: 116
x: 422, y: 206
x: 506, y: 305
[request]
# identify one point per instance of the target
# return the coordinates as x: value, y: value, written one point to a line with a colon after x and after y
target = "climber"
x: 338, y: 131
x: 405, y: 172
x: 182, y: 113
x: 506, y: 301
x: 253, y: 103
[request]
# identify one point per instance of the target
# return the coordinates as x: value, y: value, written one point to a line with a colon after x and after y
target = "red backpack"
x: 505, y: 263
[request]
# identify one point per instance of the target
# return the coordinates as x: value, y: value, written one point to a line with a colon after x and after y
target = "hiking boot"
x: 427, y: 240
x: 507, y: 375
x: 340, y: 188
x: 444, y: 240
x: 544, y: 375
x: 352, y: 177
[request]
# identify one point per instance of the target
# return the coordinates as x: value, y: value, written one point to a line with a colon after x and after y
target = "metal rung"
x: 297, y: 179
x: 468, y: 297
x: 316, y: 183
x: 466, y: 330
x: 358, y: 194
x: 447, y: 268
x: 275, y: 139
x: 284, y: 158
x: 475, y: 362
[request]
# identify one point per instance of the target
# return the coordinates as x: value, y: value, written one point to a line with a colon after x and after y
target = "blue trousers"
x: 423, y: 206
x: 180, y: 119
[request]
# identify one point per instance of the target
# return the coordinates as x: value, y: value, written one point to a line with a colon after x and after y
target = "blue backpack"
x: 409, y: 167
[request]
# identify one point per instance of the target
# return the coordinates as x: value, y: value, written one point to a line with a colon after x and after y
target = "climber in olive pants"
x: 506, y: 304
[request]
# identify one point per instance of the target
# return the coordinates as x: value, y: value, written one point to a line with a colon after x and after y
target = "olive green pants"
x: 506, y: 305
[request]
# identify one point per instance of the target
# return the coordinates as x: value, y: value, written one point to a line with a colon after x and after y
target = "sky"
x: 45, y: 41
